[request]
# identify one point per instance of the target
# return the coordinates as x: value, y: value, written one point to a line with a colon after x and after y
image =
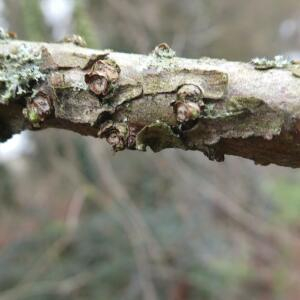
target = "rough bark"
x: 159, y: 101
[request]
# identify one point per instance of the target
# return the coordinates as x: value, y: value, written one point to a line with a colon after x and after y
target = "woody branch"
x: 153, y: 101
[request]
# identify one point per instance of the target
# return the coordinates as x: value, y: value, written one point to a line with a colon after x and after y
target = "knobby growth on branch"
x: 158, y: 100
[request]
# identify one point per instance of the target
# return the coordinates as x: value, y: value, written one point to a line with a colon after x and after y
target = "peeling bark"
x: 158, y: 101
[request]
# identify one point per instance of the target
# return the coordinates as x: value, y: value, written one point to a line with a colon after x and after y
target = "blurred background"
x: 78, y: 222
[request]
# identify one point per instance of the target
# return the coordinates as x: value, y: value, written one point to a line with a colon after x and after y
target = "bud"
x: 163, y: 50
x: 101, y: 77
x: 38, y: 108
x: 190, y: 92
x: 186, y: 111
x: 115, y: 134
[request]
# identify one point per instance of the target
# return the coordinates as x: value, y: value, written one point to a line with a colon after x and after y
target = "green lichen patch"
x: 19, y: 72
x: 237, y: 104
x: 232, y: 107
x: 158, y: 136
x: 278, y: 62
x: 238, y: 117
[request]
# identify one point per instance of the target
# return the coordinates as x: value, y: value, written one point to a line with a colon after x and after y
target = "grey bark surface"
x: 155, y: 101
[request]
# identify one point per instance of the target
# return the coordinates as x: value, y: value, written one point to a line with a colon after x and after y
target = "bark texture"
x: 158, y: 100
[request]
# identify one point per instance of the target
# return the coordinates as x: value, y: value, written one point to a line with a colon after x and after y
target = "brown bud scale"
x: 102, y: 75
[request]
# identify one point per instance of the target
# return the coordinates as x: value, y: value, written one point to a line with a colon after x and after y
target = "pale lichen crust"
x: 278, y: 62
x: 19, y: 72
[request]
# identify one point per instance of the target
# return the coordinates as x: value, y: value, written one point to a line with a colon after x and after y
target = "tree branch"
x: 158, y: 100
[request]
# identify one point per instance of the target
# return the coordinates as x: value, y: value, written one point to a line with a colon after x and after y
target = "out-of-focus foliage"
x: 78, y: 222
x: 34, y: 25
x: 285, y: 192
x: 82, y: 24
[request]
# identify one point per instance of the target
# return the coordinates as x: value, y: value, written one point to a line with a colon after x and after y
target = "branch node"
x: 102, y: 77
